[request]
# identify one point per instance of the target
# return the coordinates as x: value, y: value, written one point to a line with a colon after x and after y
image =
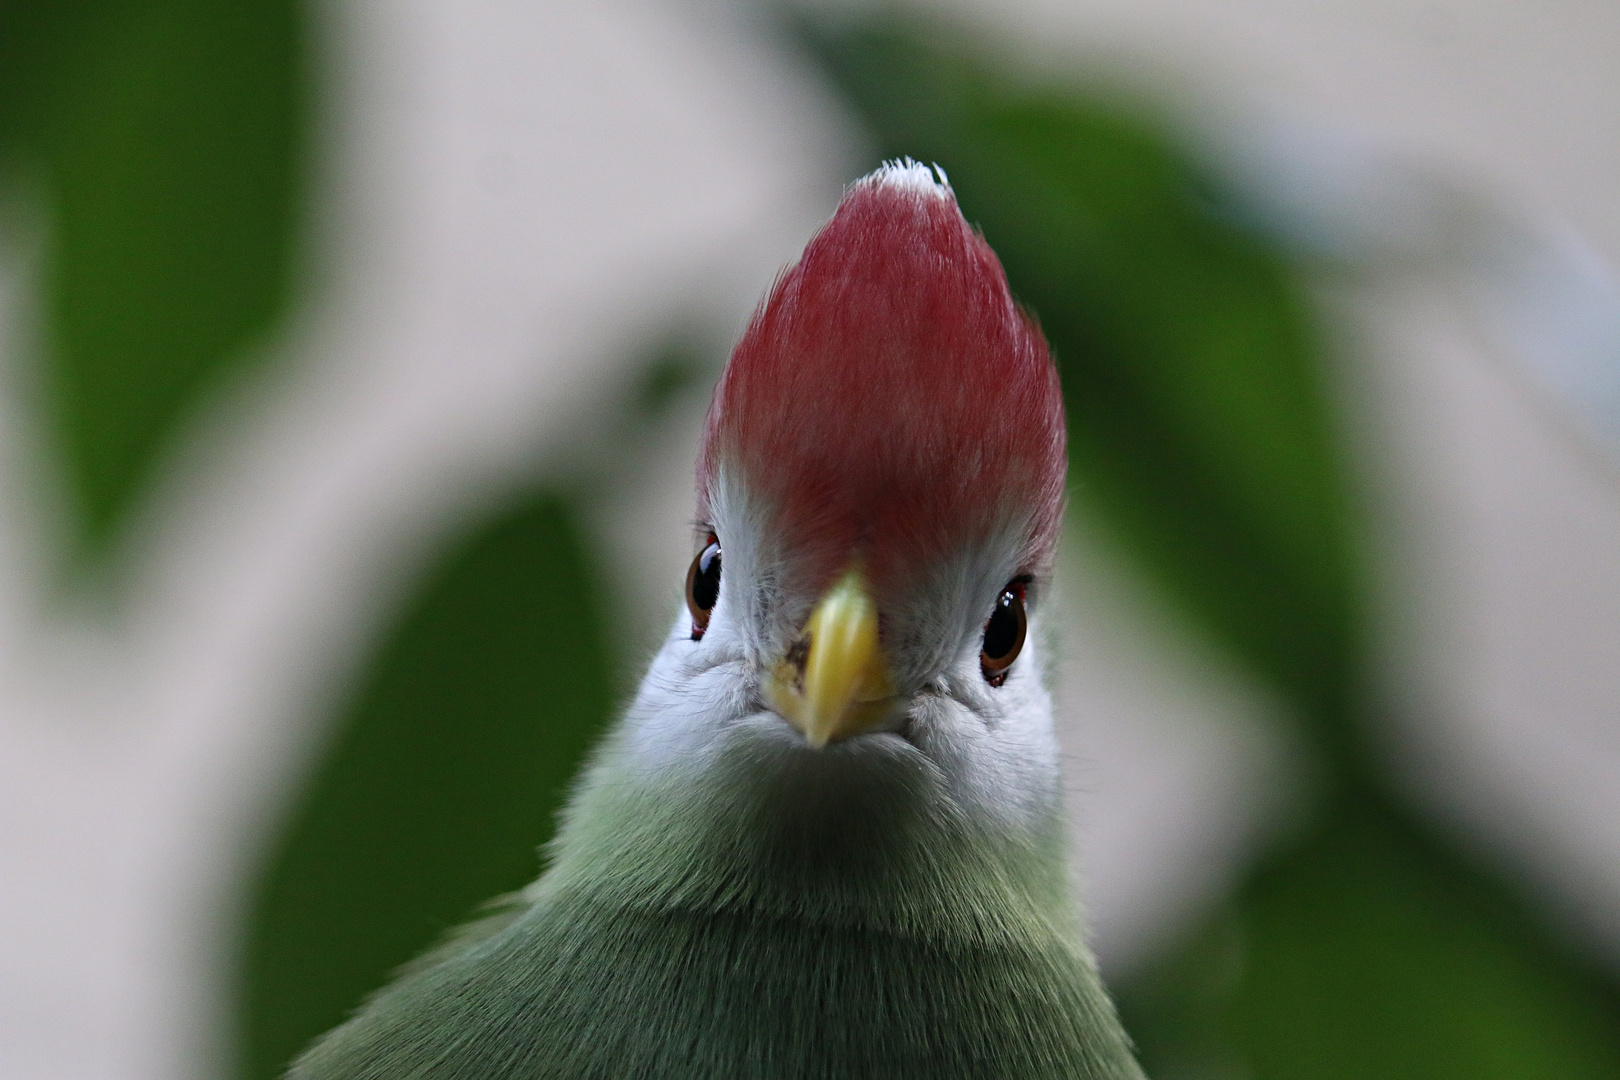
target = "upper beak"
x: 834, y: 681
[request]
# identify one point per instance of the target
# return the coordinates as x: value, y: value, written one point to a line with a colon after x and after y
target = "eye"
x: 703, y: 585
x: 1004, y: 633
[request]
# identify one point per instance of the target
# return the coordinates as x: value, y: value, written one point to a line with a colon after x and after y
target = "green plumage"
x: 708, y: 924
x: 577, y: 989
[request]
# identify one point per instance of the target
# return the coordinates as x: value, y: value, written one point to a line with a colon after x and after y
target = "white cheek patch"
x: 941, y: 623
x: 996, y: 746
x: 758, y: 609
x: 991, y: 749
x: 693, y: 692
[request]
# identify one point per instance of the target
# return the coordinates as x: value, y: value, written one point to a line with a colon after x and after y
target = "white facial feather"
x: 992, y: 748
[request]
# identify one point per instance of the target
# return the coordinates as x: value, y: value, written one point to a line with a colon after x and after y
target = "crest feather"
x: 889, y: 399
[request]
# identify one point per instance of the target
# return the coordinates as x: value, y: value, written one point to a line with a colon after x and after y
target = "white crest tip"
x: 910, y: 175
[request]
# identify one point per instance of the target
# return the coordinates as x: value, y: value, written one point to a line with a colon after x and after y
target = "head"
x: 879, y: 492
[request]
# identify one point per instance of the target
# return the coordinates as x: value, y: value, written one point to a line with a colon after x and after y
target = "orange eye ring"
x: 703, y: 585
x: 1004, y: 633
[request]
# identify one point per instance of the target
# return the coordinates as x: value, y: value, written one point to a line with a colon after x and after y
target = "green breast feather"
x: 661, y: 945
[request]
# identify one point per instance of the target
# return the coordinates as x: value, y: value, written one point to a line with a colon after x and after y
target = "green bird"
x: 827, y: 837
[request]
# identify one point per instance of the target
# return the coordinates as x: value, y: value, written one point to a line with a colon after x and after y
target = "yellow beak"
x: 834, y: 682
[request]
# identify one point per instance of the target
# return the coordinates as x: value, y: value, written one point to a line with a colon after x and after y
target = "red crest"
x: 889, y: 400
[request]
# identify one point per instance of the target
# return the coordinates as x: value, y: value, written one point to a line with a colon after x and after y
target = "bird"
x: 826, y: 837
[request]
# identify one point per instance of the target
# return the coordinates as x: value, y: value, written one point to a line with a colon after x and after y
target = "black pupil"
x: 706, y: 582
x: 1001, y: 634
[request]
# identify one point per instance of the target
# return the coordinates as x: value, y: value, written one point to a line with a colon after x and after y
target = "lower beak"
x: 834, y: 682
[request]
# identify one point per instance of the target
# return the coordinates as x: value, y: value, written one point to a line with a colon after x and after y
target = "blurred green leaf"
x: 1198, y: 424
x: 167, y: 135
x: 1370, y: 951
x: 440, y: 781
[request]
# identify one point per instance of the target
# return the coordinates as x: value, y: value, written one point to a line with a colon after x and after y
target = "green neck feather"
x: 874, y: 843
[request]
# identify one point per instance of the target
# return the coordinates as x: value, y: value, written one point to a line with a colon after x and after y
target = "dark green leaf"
x: 166, y: 135
x: 1368, y: 951
x: 439, y: 783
